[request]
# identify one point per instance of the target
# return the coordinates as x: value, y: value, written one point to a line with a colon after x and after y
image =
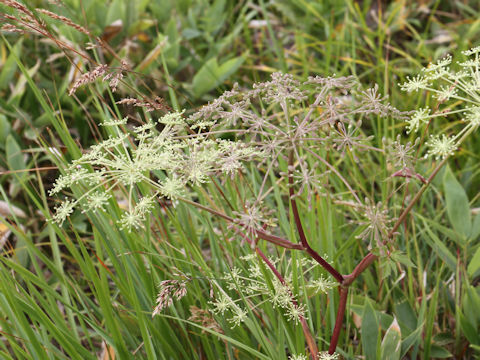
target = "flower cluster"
x: 462, y: 87
x: 254, y: 284
x: 376, y: 221
x: 324, y: 355
x: 169, y: 160
x: 276, y: 121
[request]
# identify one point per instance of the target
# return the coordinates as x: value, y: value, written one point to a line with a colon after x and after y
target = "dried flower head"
x: 205, y: 319
x: 376, y: 222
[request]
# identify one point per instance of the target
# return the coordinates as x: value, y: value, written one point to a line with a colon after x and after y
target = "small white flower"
x: 420, y: 116
x: 473, y: 116
x: 441, y: 147
x: 172, y: 187
x: 439, y: 66
x: 470, y: 63
x: 224, y: 302
x: 321, y: 285
x: 298, y: 357
x: 295, y: 312
x: 144, y: 205
x: 324, y: 355
x: 414, y: 84
x: 113, y: 122
x: 63, y: 211
x: 280, y: 296
x: 239, y: 317
x: 457, y: 76
x: 96, y: 201
x: 446, y: 92
x: 173, y: 118
x: 472, y: 51
x: 130, y: 220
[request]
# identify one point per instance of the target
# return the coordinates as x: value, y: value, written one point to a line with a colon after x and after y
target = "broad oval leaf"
x: 458, y: 208
x: 392, y: 342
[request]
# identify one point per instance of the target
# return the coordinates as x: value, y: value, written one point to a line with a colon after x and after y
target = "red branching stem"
x: 362, y: 265
x: 370, y: 258
x: 325, y: 264
x: 301, y: 233
x: 339, y: 320
x: 261, y: 234
x: 417, y: 196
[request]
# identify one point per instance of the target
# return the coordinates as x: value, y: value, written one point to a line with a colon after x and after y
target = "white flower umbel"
x: 296, y: 312
x: 63, y: 211
x: 473, y: 116
x: 441, y: 146
x: 260, y: 286
x: 458, y: 92
x: 185, y: 159
x: 238, y: 317
x: 324, y: 355
x: 420, y: 116
x: 416, y: 83
x: 298, y: 357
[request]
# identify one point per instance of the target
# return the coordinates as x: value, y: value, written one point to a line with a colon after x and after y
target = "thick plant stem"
x: 370, y: 258
x: 362, y: 265
x: 301, y: 233
x: 339, y: 320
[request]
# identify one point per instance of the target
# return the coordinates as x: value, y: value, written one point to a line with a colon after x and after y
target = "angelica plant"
x: 282, y: 125
x: 304, y: 135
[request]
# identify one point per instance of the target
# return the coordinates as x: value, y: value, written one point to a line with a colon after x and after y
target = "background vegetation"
x: 87, y: 289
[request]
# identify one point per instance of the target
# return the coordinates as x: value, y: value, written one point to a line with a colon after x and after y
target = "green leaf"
x: 470, y: 332
x: 5, y: 129
x: 392, y: 341
x: 475, y: 228
x: 10, y: 65
x: 19, y: 88
x: 370, y: 331
x: 15, y: 158
x: 212, y: 75
x: 116, y: 11
x: 471, y: 304
x: 406, y: 315
x: 440, y: 353
x: 458, y: 208
x: 439, y: 247
x: 474, y: 264
x: 402, y: 258
x: 411, y: 339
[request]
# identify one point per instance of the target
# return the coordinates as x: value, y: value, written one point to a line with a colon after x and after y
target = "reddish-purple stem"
x: 301, y: 233
x: 339, y: 320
